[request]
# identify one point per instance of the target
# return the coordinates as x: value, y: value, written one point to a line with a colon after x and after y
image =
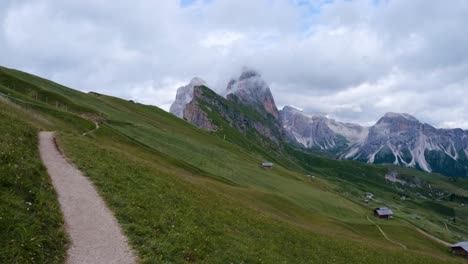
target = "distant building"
x: 383, y: 212
x: 460, y: 248
x: 266, y: 165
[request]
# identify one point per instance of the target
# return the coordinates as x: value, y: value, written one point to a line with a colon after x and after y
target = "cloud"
x: 352, y: 60
x: 220, y: 39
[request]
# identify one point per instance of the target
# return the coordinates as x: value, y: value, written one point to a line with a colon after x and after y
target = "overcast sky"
x: 351, y: 60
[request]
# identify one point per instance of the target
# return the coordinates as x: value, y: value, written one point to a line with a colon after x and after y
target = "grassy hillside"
x: 31, y: 226
x: 185, y: 195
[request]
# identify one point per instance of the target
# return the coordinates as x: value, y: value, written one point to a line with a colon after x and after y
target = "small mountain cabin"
x: 383, y: 212
x: 460, y: 248
x: 266, y: 165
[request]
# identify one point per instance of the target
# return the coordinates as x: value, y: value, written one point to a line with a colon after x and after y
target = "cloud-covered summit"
x: 351, y: 60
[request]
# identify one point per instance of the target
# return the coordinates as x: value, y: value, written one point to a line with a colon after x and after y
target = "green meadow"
x: 184, y: 195
x: 31, y: 225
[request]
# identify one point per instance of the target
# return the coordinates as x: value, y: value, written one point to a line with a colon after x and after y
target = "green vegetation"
x: 31, y: 228
x: 448, y: 166
x: 441, y: 209
x: 385, y: 156
x: 183, y: 194
x: 174, y: 215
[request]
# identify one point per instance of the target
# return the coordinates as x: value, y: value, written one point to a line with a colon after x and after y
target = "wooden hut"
x: 383, y: 212
x: 267, y: 165
x: 460, y: 248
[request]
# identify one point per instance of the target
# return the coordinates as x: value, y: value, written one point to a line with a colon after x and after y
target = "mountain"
x: 250, y: 89
x: 184, y: 96
x: 319, y: 132
x: 403, y: 140
x: 185, y: 195
x: 398, y: 139
x: 248, y: 107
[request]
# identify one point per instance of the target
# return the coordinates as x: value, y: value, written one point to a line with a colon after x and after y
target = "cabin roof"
x: 463, y: 245
x: 383, y: 211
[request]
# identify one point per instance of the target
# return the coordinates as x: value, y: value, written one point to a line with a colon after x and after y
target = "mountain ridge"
x: 183, y: 193
x: 396, y: 138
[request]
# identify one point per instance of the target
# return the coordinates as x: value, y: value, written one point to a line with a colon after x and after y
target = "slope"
x: 185, y: 195
x: 31, y: 227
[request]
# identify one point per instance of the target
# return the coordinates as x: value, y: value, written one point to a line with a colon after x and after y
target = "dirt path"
x: 385, y: 235
x: 434, y: 238
x: 438, y: 240
x: 446, y: 227
x: 95, y: 234
x: 92, y: 130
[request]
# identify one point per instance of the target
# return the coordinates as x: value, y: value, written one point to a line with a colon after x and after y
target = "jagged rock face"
x: 206, y: 102
x: 396, y: 138
x: 402, y: 140
x: 184, y: 96
x: 252, y: 90
x: 252, y: 106
x: 194, y: 114
x: 392, y: 130
x: 319, y: 132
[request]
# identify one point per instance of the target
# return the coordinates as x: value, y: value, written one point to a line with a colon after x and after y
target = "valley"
x: 184, y: 193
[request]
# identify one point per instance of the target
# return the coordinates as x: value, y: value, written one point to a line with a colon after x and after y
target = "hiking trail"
x: 95, y: 234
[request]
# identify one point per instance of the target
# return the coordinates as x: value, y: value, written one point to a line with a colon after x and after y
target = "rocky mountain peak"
x: 184, y: 96
x: 288, y: 111
x: 250, y: 89
x: 196, y: 81
x: 391, y: 117
x: 288, y: 108
x: 396, y: 138
x: 292, y: 110
x: 249, y: 79
x: 317, y: 131
x: 248, y: 73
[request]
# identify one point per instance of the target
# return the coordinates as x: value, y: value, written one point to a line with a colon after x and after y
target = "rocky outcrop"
x: 184, y: 96
x: 224, y: 112
x: 195, y: 114
x: 248, y: 106
x: 398, y: 139
x: 403, y: 140
x: 319, y: 132
x: 250, y: 89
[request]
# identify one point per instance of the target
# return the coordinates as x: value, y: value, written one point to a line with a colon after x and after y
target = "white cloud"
x: 220, y: 39
x: 353, y: 60
x: 160, y: 93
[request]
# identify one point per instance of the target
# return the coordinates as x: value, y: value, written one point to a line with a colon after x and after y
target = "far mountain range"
x: 396, y: 138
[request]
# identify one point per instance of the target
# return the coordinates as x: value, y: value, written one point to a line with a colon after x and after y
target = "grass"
x: 175, y: 216
x: 31, y: 226
x: 185, y: 195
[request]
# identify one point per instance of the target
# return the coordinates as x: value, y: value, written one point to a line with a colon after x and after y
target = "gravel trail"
x: 95, y: 235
